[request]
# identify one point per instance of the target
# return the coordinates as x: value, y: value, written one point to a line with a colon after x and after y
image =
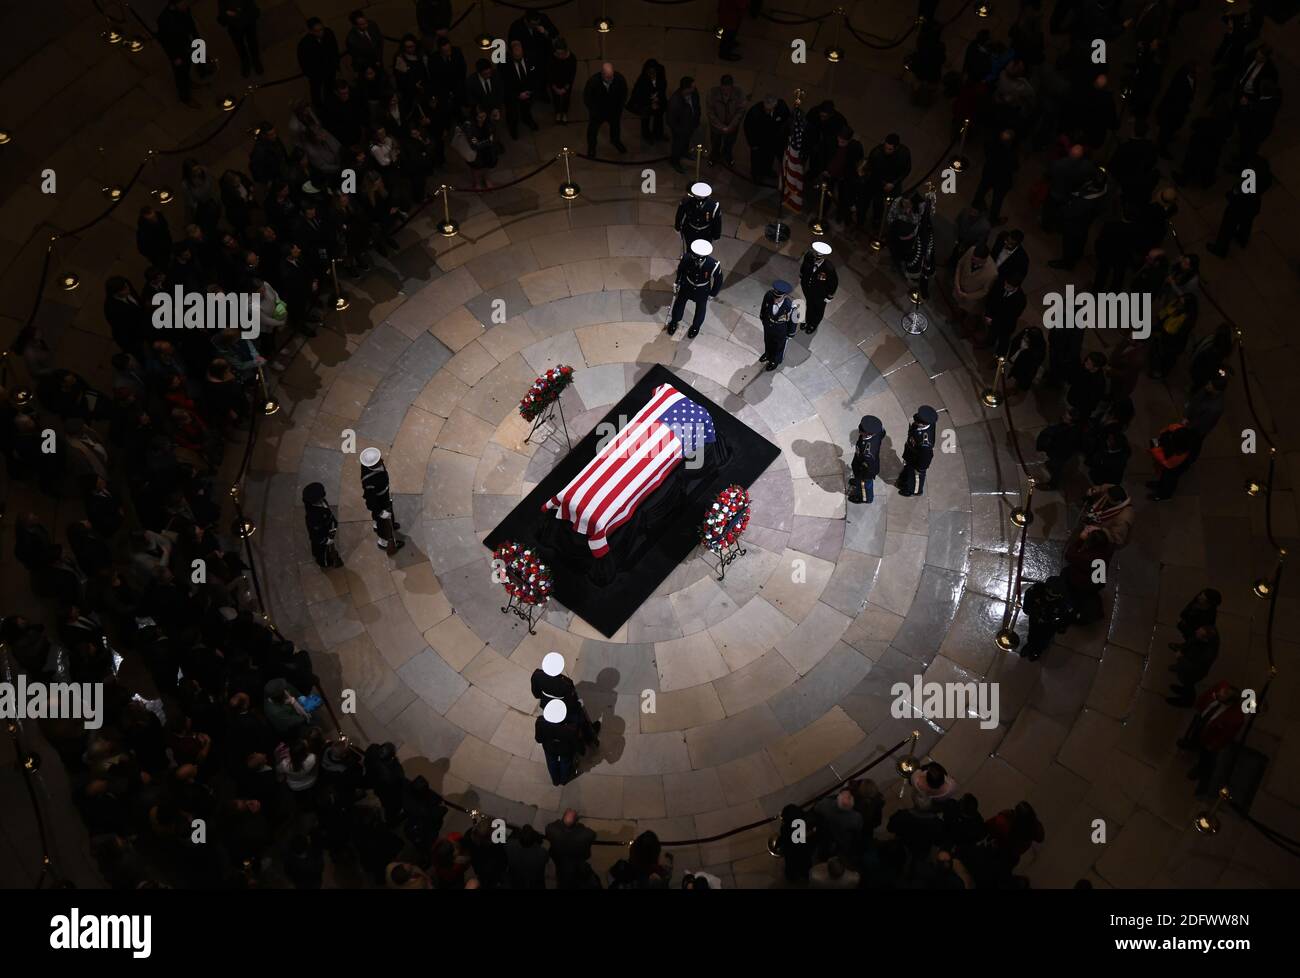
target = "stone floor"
x: 775, y: 683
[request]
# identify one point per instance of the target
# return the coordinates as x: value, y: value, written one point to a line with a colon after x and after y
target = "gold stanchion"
x: 568, y: 190
x: 817, y: 227
x: 68, y: 281
x: 910, y: 763
x: 878, y: 241
x: 776, y: 231
x: 1207, y: 823
x: 1266, y: 589
x: 448, y: 228
x: 991, y: 396
x: 959, y: 162
x: 160, y: 194
x: 269, y: 404
x: 1023, y: 514
x: 699, y: 155
x: 340, y: 300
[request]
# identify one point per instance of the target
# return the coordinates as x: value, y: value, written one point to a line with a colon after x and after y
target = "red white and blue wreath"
x: 525, y: 577
x: 546, y: 390
x: 726, y: 519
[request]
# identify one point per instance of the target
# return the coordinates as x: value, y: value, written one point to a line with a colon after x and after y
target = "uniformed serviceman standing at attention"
x: 918, y: 451
x: 699, y: 277
x: 321, y: 526
x: 818, y: 280
x: 379, y: 500
x: 777, y: 315
x: 866, y: 459
x: 699, y: 217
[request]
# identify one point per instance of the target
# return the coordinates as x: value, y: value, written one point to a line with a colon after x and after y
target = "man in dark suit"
x: 1171, y: 112
x: 766, y: 130
x: 818, y: 280
x: 887, y: 168
x: 1003, y: 307
x: 1008, y: 253
x: 683, y: 119
x: 239, y: 18
x: 570, y: 844
x: 605, y: 96
x: 776, y: 312
x: 521, y: 88
x: 485, y: 89
x: 177, y: 33
x: 318, y: 57
x: 128, y: 318
x: 1000, y: 162
x: 537, y: 33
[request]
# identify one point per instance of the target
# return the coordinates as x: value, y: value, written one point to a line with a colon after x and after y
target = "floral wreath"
x: 726, y: 518
x: 545, y: 391
x: 527, y: 579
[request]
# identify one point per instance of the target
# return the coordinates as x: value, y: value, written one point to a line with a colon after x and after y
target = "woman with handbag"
x: 481, y: 137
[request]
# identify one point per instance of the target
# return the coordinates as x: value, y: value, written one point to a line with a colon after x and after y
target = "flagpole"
x: 778, y: 232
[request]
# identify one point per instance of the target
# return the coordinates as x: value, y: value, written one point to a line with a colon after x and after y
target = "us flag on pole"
x: 792, y: 165
x: 632, y: 465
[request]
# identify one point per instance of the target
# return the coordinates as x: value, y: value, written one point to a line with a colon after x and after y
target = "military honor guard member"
x: 699, y: 217
x: 322, y: 527
x: 699, y: 278
x: 918, y: 451
x: 379, y: 500
x: 777, y: 315
x: 866, y: 459
x: 819, y: 281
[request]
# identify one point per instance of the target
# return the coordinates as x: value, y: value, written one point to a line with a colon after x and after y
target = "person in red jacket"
x: 1173, y: 450
x: 730, y: 13
x: 1215, y: 725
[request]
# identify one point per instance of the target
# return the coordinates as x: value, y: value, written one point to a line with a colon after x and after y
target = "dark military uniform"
x: 321, y: 526
x: 818, y: 279
x: 777, y: 315
x: 918, y: 451
x: 698, y: 218
x: 561, y: 688
x: 379, y: 500
x: 866, y: 459
x: 699, y: 277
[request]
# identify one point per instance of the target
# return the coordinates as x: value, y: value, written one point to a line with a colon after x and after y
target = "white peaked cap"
x: 821, y: 247
x: 370, y: 457
x: 552, y: 663
x: 701, y: 189
x: 701, y: 247
x: 555, y: 711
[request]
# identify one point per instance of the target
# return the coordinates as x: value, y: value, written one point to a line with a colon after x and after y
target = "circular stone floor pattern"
x: 769, y: 686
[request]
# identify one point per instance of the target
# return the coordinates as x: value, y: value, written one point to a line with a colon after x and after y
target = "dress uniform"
x: 321, y: 526
x: 918, y: 451
x: 699, y: 216
x: 379, y: 500
x: 777, y: 315
x: 866, y: 459
x: 550, y: 683
x: 699, y: 277
x: 819, y: 281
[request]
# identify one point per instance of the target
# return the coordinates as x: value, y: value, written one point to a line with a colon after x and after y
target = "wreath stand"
x: 726, y: 554
x: 548, y: 417
x: 525, y: 611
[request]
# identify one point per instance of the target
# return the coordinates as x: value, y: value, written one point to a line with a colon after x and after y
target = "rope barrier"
x: 29, y: 773
x: 527, y: 9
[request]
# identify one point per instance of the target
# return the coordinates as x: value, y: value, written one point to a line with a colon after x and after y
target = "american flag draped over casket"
x: 632, y: 465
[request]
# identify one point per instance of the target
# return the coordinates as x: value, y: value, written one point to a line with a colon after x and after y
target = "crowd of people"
x: 230, y: 730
